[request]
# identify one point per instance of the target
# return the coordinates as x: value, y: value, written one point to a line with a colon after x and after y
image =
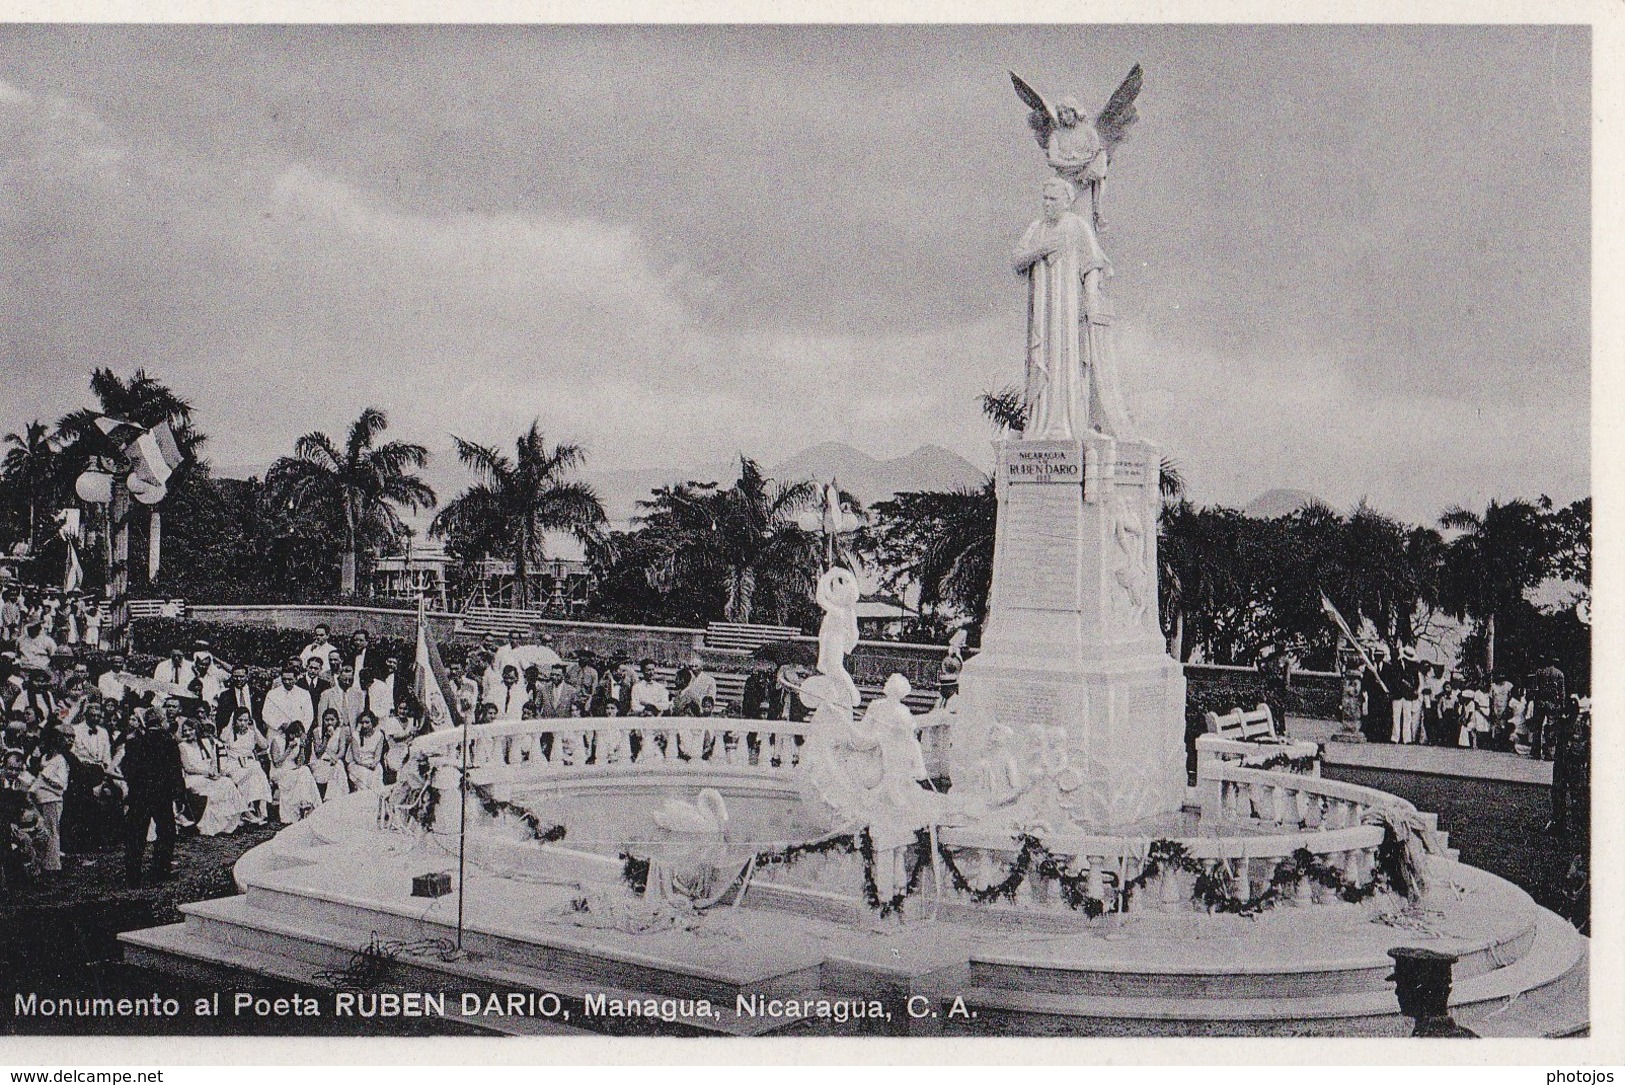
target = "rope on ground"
x: 374, y: 963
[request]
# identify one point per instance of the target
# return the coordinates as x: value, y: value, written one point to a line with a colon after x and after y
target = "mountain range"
x: 868, y: 478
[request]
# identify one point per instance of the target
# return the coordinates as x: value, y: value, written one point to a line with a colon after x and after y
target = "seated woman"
x: 365, y: 758
x: 296, y: 792
x: 241, y: 762
x: 399, y: 728
x: 224, y: 807
x: 329, y: 743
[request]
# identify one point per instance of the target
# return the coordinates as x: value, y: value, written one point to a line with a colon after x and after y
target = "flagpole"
x: 1330, y: 608
x: 462, y: 792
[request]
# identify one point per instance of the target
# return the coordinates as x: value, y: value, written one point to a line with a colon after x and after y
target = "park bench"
x: 744, y: 637
x: 157, y: 608
x: 1251, y: 736
x: 479, y: 621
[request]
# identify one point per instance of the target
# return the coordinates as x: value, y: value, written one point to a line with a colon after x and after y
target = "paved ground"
x: 1435, y: 760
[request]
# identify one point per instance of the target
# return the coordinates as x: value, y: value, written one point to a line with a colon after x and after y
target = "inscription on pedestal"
x: 1128, y: 473
x: 1023, y: 704
x: 1044, y: 461
x: 1038, y: 555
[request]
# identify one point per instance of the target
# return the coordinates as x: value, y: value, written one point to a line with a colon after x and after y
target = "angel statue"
x: 1076, y: 150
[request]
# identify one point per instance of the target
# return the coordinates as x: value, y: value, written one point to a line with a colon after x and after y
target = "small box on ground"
x: 431, y: 885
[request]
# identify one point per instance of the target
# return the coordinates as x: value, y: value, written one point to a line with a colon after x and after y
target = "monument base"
x: 1072, y: 643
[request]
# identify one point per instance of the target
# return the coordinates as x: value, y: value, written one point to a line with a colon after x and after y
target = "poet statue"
x: 1070, y: 384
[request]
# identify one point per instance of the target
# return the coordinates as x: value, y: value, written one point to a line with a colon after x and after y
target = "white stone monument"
x: 1072, y: 639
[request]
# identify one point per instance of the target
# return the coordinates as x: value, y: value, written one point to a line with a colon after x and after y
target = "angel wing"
x: 1119, y: 114
x: 1042, y: 118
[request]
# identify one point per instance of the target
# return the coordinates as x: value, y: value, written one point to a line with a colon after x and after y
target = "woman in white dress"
x: 296, y: 793
x: 328, y: 743
x: 223, y: 804
x: 242, y: 763
x: 365, y: 758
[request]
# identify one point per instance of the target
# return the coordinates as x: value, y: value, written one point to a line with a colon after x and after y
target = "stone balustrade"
x: 1252, y: 820
x: 505, y: 752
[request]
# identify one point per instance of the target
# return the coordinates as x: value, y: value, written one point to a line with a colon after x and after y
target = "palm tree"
x: 29, y: 470
x: 357, y: 487
x: 517, y: 501
x: 744, y: 538
x: 1495, y: 559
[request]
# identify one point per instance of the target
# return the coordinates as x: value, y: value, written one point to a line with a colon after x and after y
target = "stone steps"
x: 1545, y: 977
x: 177, y: 950
x: 623, y: 968
x: 1016, y: 972
x: 235, y: 936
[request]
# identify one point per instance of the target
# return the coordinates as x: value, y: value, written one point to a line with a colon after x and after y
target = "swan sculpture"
x: 707, y: 815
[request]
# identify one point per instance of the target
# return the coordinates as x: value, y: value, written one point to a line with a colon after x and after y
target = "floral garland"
x: 494, y: 806
x: 920, y: 849
x: 1214, y: 888
x: 1049, y: 866
x: 425, y: 805
x: 1300, y: 765
x: 635, y: 871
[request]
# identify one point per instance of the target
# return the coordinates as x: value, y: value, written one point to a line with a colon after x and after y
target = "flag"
x: 1343, y: 627
x: 73, y: 575
x: 155, y: 455
x: 429, y: 692
x: 117, y: 432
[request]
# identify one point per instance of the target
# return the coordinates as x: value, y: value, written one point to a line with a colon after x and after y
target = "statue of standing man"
x: 1070, y: 386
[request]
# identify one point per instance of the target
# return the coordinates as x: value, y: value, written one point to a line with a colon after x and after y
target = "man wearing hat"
x: 1404, y: 680
x: 1421, y: 979
x: 1379, y: 701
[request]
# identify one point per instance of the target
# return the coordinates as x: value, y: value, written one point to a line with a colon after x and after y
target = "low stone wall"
x: 1219, y: 688
x: 379, y: 621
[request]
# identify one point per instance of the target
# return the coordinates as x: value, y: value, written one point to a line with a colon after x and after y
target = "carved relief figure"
x: 1131, y: 567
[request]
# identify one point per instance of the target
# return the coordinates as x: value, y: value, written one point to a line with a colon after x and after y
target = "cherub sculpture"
x: 1076, y: 148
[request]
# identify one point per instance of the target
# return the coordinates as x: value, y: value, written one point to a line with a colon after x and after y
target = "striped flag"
x: 155, y: 455
x: 1343, y: 626
x: 429, y: 692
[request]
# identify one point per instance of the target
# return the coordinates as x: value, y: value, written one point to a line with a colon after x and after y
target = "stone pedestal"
x: 1072, y: 638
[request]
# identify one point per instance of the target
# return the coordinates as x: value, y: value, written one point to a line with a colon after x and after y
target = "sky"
x: 1350, y: 260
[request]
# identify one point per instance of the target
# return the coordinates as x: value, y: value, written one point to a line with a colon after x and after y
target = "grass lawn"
x: 59, y: 937
x: 1495, y: 825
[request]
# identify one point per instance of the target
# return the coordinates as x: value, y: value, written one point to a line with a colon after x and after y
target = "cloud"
x: 670, y: 252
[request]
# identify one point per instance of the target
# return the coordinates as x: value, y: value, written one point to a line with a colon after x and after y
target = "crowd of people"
x: 1407, y: 701
x: 518, y: 679
x: 93, y: 759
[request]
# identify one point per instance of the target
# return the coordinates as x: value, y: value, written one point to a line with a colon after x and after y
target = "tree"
x: 145, y: 401
x: 29, y: 473
x: 1493, y: 561
x: 744, y: 540
x: 517, y: 501
x: 357, y: 488
x: 955, y: 564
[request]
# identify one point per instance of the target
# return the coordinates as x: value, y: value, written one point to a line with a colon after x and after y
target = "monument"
x: 712, y: 864
x: 1072, y: 644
